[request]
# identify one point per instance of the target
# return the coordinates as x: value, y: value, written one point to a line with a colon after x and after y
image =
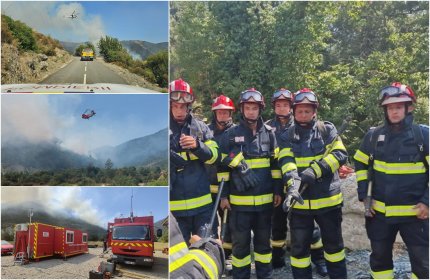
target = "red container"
x: 47, y: 240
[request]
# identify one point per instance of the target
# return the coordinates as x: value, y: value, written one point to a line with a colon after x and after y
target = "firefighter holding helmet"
x: 282, y: 101
x: 249, y: 150
x: 191, y: 147
x: 396, y: 154
x: 305, y: 160
x: 222, y: 108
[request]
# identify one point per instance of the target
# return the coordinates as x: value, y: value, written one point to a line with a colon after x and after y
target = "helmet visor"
x: 390, y: 91
x: 284, y: 93
x: 308, y: 95
x: 178, y: 95
x: 245, y: 96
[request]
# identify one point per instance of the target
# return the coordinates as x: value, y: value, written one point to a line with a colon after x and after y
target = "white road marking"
x: 85, y: 79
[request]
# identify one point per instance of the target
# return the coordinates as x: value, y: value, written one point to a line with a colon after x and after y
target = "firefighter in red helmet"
x: 282, y: 103
x: 304, y: 160
x: 394, y: 158
x: 249, y: 151
x: 191, y: 147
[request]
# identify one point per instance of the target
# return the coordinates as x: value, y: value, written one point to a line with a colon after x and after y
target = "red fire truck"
x: 132, y: 240
x: 36, y: 240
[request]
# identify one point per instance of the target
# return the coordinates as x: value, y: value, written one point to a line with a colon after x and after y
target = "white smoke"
x: 52, y: 18
x: 56, y: 200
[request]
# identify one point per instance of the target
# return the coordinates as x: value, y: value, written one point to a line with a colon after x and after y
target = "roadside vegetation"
x: 154, y: 69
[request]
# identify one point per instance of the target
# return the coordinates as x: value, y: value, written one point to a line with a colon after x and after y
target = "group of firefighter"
x: 290, y: 164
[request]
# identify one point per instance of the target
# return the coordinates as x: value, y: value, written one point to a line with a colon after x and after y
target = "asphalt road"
x: 84, y: 72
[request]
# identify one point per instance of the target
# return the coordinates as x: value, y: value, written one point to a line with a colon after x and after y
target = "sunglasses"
x: 178, y: 95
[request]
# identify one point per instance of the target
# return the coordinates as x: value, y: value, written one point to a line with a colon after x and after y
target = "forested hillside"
x: 344, y: 51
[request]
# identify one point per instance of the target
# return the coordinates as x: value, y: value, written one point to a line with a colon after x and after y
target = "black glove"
x: 293, y: 194
x: 237, y: 180
x: 308, y: 176
x: 248, y: 176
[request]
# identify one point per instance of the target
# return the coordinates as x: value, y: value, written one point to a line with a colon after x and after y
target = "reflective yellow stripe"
x: 214, y: 188
x: 300, y: 263
x: 251, y: 200
x: 223, y: 156
x: 263, y: 258
x: 320, y: 203
x: 213, y: 146
x: 317, y: 244
x: 394, y: 210
x: 332, y: 162
x: 361, y: 175
x: 227, y: 246
x: 361, y: 157
x: 178, y: 256
x: 286, y: 152
x: 223, y: 175
x: 206, y: 262
x: 306, y: 161
x: 317, y: 169
x: 400, y: 168
x: 188, y: 204
x: 288, y: 167
x: 427, y: 159
x: 258, y: 162
x: 276, y: 153
x: 336, y: 145
x: 236, y: 262
x: 276, y: 174
x: 413, y: 276
x: 236, y: 160
x: 385, y: 274
x: 335, y: 257
x: 278, y: 243
x: 190, y: 155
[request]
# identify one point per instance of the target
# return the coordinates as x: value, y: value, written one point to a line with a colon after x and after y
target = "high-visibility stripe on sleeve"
x: 385, y: 274
x: 236, y: 262
x: 361, y: 175
x: 361, y: 157
x: 188, y: 204
x: 289, y: 166
x: 263, y: 258
x: 335, y: 257
x: 223, y: 175
x: 236, y: 160
x: 332, y: 162
x: 251, y: 200
x: 399, y: 168
x: 178, y: 256
x: 285, y: 152
x: 317, y: 169
x: 276, y: 155
x: 214, y: 188
x: 223, y: 156
x: 206, y: 262
x: 336, y: 145
x: 300, y: 263
x: 213, y: 146
x: 306, y: 161
x: 276, y: 173
x: 186, y: 155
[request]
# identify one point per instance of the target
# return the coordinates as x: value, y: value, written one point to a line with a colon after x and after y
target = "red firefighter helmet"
x: 396, y: 93
x: 223, y: 102
x: 181, y: 92
x: 305, y: 96
x: 252, y: 96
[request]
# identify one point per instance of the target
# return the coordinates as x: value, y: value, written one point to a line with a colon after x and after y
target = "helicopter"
x: 73, y: 15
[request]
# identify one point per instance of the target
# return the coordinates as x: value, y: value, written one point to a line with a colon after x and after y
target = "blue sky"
x: 96, y: 205
x: 125, y: 20
x: 119, y: 118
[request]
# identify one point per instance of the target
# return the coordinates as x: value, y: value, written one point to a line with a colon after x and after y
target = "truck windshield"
x: 131, y: 233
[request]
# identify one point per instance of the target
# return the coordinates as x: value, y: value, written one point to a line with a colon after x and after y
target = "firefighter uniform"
x: 203, y: 260
x: 303, y: 147
x: 279, y: 218
x: 190, y: 197
x: 216, y: 174
x: 400, y: 181
x: 252, y: 208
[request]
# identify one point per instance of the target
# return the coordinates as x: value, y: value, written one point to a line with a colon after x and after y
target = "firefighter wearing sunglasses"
x: 191, y: 147
x: 255, y: 186
x: 303, y: 160
x: 282, y: 103
x: 397, y: 155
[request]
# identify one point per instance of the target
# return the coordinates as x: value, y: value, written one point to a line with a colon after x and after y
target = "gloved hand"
x: 248, y: 176
x: 293, y: 194
x: 237, y: 180
x: 308, y: 176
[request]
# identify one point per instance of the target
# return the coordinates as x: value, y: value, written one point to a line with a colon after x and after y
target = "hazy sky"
x: 96, y: 205
x: 119, y: 118
x: 125, y: 20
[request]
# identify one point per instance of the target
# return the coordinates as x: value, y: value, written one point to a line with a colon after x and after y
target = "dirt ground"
x: 78, y: 267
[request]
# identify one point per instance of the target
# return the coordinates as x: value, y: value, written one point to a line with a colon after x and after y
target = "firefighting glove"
x: 248, y: 176
x: 237, y: 180
x: 293, y: 194
x: 308, y: 176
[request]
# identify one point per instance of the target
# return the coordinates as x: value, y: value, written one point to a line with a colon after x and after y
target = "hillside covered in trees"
x: 344, y: 51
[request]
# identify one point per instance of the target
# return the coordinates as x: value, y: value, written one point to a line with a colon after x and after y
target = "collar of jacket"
x: 403, y: 125
x: 304, y: 132
x: 213, y: 126
x: 244, y: 123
